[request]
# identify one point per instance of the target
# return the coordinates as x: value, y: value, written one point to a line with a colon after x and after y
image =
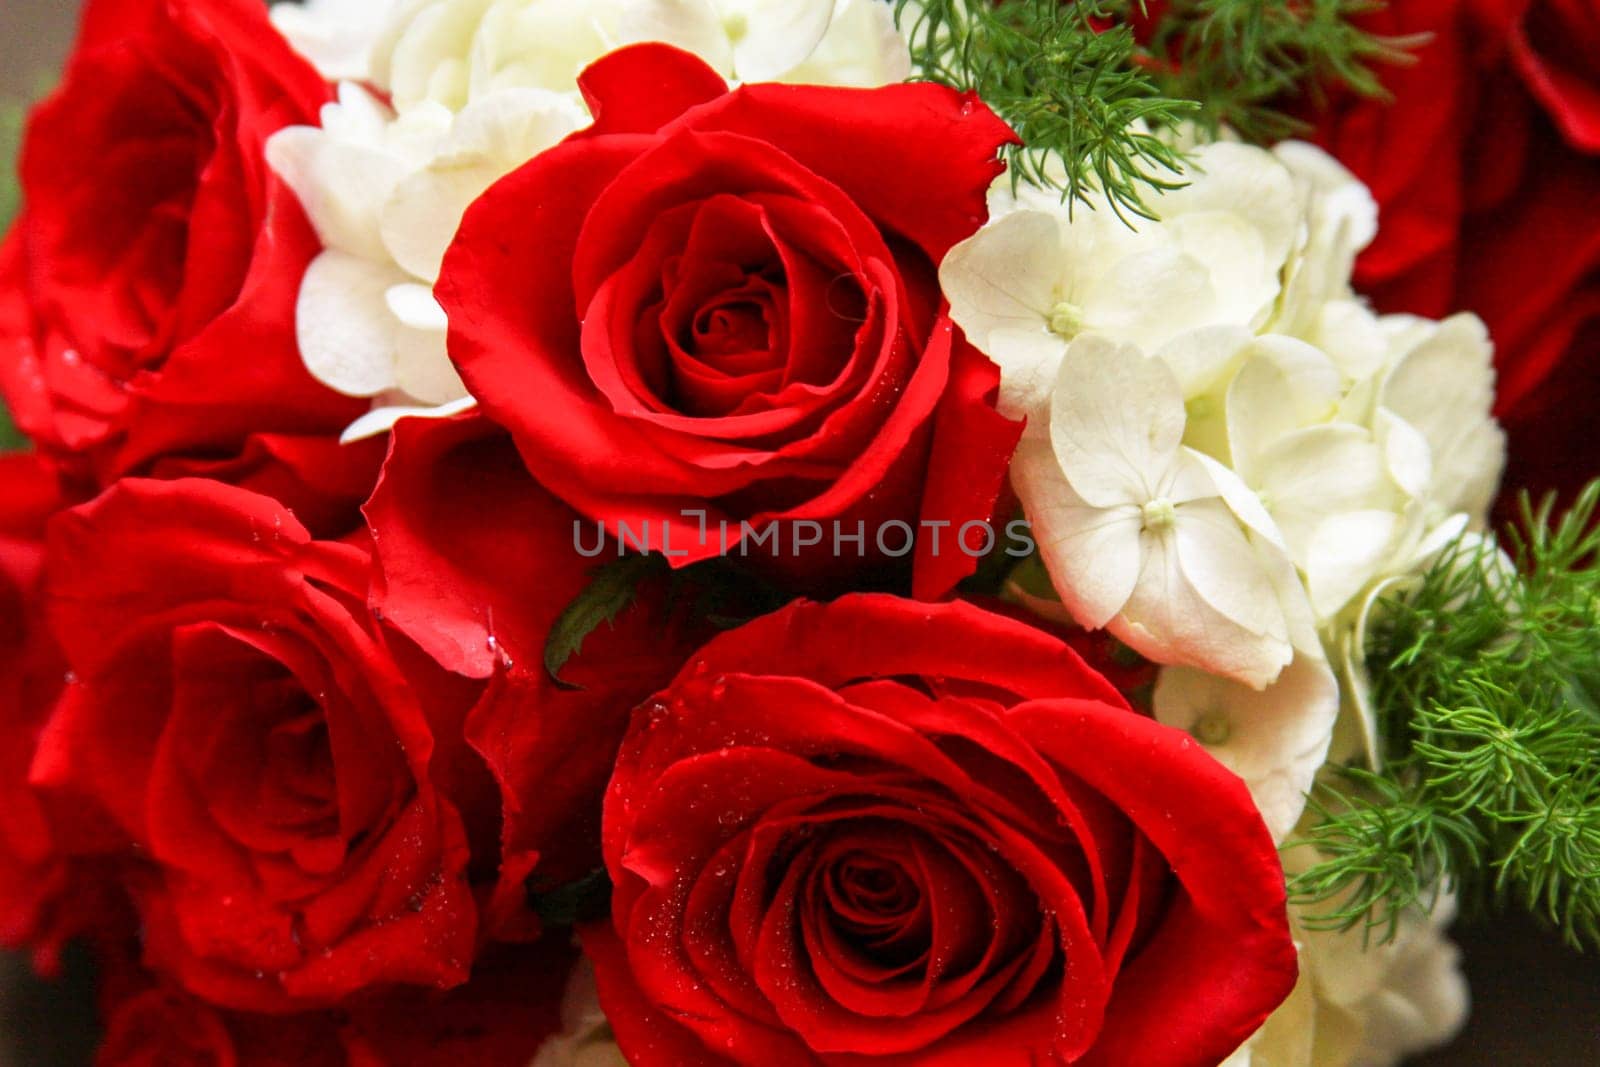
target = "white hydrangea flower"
x: 386, y: 194
x: 1312, y: 442
x: 1360, y: 1003
x: 585, y: 1039
x: 1038, y: 275
x: 1275, y: 739
x: 337, y: 36
x: 1151, y: 539
x: 453, y: 51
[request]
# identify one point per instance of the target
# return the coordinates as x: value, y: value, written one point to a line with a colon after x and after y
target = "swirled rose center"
x: 734, y: 325
x: 875, y: 902
x: 732, y: 306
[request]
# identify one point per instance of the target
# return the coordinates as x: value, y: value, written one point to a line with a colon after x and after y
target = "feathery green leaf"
x: 1484, y: 682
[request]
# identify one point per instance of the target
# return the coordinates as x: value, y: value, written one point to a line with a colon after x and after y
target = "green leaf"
x: 1067, y: 79
x: 1243, y: 60
x: 1093, y: 100
x: 11, y: 116
x: 11, y: 120
x: 584, y: 900
x: 608, y: 594
x: 1484, y: 685
x: 10, y: 439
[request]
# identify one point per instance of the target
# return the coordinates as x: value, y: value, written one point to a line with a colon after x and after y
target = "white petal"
x: 358, y: 116
x: 863, y: 48
x: 543, y: 45
x: 1149, y: 297
x: 1283, y: 386
x: 771, y: 37
x: 1029, y: 362
x: 1243, y: 180
x: 346, y: 331
x: 1205, y: 360
x: 1349, y: 333
x: 1275, y: 739
x: 1272, y: 553
x: 339, y: 183
x: 1318, y: 472
x: 381, y: 420
x: 1443, y: 378
x: 1355, y: 737
x: 1004, y: 277
x: 1116, y: 421
x: 1240, y: 498
x: 1406, y: 452
x: 423, y: 369
x: 511, y: 126
x: 424, y: 56
x: 1471, y: 475
x: 491, y: 137
x: 1358, y: 733
x: 1340, y: 218
x: 1444, y: 387
x: 1168, y: 621
x: 421, y: 219
x: 693, y: 25
x: 1218, y: 560
x: 1230, y: 247
x: 1344, y: 553
x: 337, y: 36
x: 414, y: 305
x: 1349, y: 204
x: 1092, y: 554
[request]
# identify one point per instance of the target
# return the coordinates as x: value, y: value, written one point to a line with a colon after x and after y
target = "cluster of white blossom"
x: 1226, y: 450
x: 439, y: 99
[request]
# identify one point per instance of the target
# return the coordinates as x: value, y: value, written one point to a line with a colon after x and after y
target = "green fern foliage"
x: 1485, y: 683
x: 1091, y: 86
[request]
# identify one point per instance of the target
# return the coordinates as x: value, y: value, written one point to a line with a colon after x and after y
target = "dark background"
x: 1536, y: 1004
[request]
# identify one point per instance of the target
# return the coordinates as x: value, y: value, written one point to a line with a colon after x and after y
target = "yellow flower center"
x: 1212, y: 729
x: 1160, y: 515
x: 1066, y: 320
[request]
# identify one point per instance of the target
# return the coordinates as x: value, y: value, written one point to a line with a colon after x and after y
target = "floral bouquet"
x: 670, y: 532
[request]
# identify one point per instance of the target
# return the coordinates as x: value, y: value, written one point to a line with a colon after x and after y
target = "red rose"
x: 728, y: 303
x: 1409, y: 151
x: 147, y: 291
x: 32, y: 876
x: 1531, y: 268
x: 1554, y: 46
x: 477, y: 562
x: 270, y: 759
x: 882, y: 832
x: 1486, y: 167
